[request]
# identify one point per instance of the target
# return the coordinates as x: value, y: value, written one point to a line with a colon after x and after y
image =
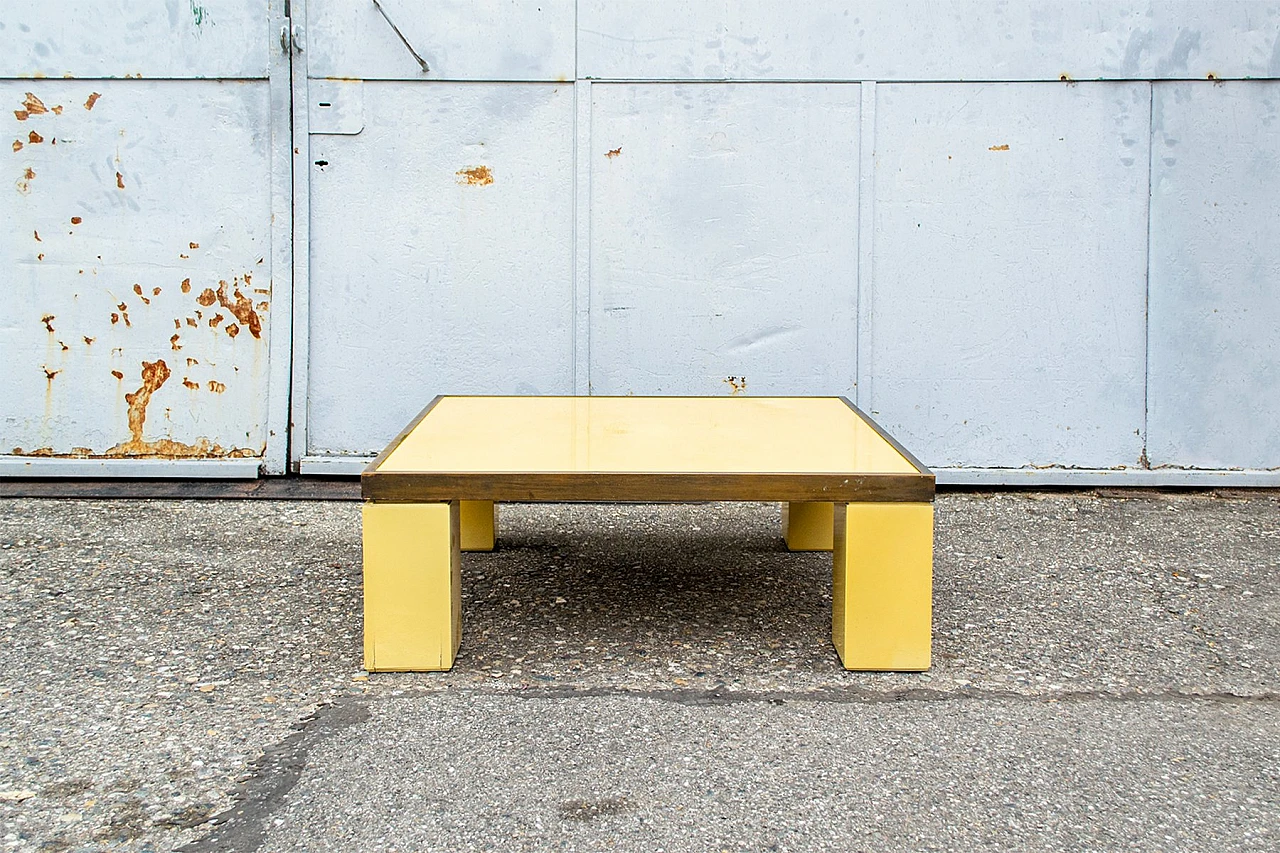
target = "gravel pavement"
x: 180, y: 672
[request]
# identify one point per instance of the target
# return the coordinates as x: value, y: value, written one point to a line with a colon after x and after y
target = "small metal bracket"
x: 290, y: 39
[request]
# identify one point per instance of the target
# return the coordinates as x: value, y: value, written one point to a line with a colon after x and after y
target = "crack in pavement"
x: 242, y: 828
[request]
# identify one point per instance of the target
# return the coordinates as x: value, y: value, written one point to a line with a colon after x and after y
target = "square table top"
x: 645, y: 448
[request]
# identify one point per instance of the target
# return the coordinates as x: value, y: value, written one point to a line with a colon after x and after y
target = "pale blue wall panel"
x: 1215, y: 276
x: 1007, y: 311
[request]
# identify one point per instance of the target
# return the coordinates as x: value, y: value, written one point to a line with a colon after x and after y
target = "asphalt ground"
x: 186, y: 674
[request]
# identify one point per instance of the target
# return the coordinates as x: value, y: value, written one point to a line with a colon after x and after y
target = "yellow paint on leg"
x: 412, y: 579
x: 479, y: 525
x: 882, y: 590
x: 808, y: 526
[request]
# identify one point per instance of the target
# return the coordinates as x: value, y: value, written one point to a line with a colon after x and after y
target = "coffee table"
x: 846, y: 485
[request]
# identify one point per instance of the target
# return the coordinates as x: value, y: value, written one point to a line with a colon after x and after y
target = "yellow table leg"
x: 412, y: 606
x: 882, y: 592
x: 807, y: 526
x: 479, y: 525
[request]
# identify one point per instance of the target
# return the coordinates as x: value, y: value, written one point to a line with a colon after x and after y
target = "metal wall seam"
x: 866, y: 242
x: 280, y: 346
x: 582, y: 238
x: 301, y: 222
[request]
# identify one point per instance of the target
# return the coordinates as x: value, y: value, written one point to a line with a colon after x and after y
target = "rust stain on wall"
x: 93, y: 99
x: 216, y: 387
x: 49, y: 374
x: 475, y: 176
x: 614, y: 152
x: 17, y: 145
x: 137, y: 288
x: 173, y: 342
x: 119, y: 180
x: 76, y: 220
x: 37, y: 233
x: 124, y: 313
x: 207, y: 297
x: 194, y: 386
x: 186, y: 285
x: 191, y: 321
x: 154, y: 375
x: 998, y: 148
x: 192, y: 362
x: 215, y: 320
x: 194, y: 245
x: 242, y: 307
x: 737, y: 384
x: 48, y: 319
x: 88, y: 341
x: 34, y: 138
x: 117, y: 374
x: 232, y: 330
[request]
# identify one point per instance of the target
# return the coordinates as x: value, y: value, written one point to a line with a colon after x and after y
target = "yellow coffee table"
x: 845, y: 484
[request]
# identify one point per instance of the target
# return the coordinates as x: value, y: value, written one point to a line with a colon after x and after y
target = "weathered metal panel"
x: 136, y: 297
x: 928, y: 40
x: 170, y: 39
x: 1215, y: 276
x: 441, y: 255
x: 1008, y: 302
x: 724, y: 222
x: 457, y: 39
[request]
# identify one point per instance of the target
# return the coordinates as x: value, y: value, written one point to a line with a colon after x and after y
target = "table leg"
x: 412, y: 606
x: 479, y: 522
x: 882, y: 591
x: 807, y: 526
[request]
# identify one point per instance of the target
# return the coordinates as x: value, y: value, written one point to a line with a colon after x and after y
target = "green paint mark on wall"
x: 199, y: 14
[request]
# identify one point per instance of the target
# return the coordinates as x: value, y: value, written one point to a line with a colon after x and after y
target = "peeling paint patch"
x: 737, y: 384
x: 207, y: 297
x: 173, y: 342
x: 194, y: 245
x: 194, y: 386
x: 191, y: 321
x: 215, y: 320
x: 93, y: 99
x: 137, y: 289
x: 475, y: 176
x: 34, y: 106
x: 232, y: 330
x: 186, y: 285
x: 117, y: 374
x: 34, y: 138
x: 998, y: 148
x: 614, y: 152
x: 216, y: 387
x: 17, y: 145
x: 124, y: 314
x: 48, y: 319
x: 119, y: 180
